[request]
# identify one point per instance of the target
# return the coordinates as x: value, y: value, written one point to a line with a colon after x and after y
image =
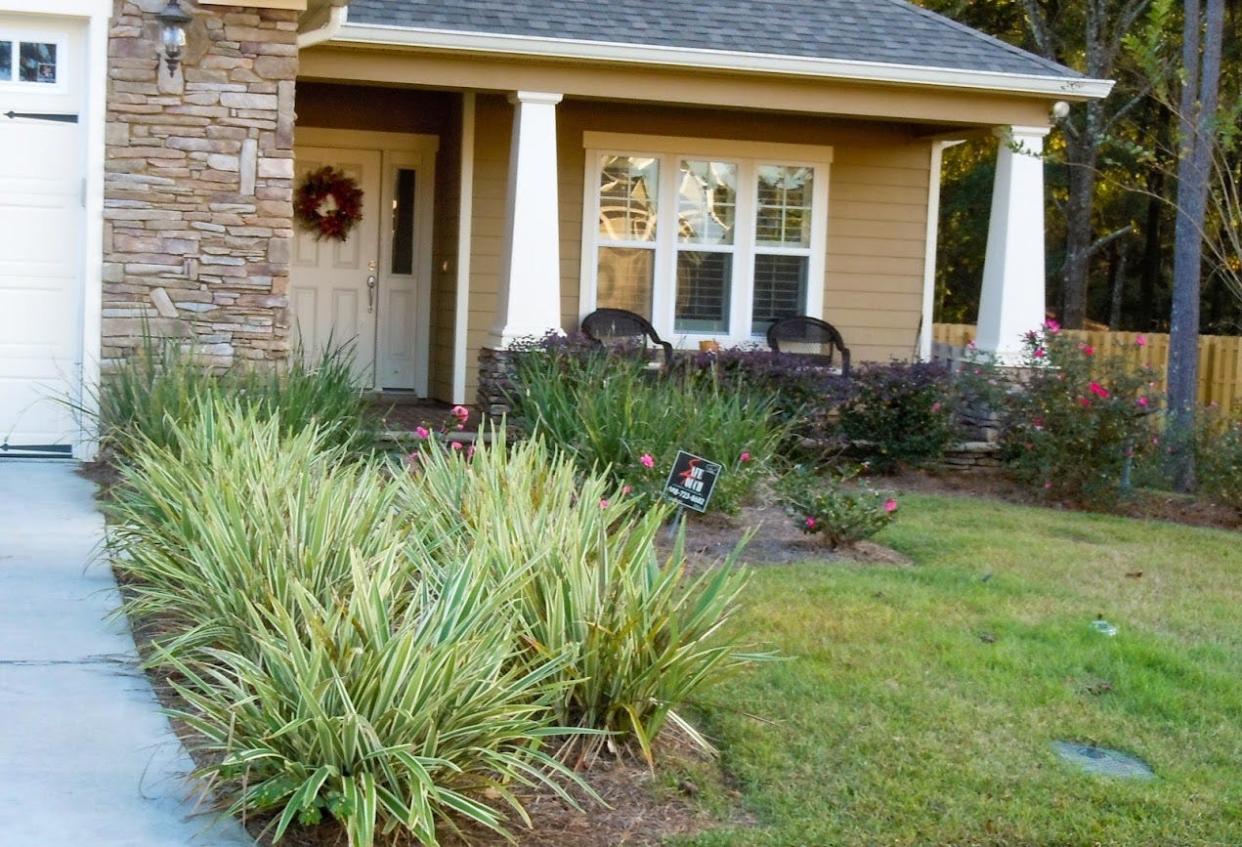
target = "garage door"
x: 41, y: 232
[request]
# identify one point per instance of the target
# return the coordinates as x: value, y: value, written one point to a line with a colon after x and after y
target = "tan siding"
x: 444, y: 261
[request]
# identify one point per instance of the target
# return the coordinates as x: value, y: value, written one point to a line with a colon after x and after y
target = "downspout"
x: 330, y: 28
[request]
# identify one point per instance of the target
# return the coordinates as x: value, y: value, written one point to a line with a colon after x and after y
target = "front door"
x: 335, y: 286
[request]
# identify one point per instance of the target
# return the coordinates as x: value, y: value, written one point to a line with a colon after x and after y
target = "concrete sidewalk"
x: 86, y: 758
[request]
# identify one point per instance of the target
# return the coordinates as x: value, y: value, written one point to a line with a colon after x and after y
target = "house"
x: 713, y: 165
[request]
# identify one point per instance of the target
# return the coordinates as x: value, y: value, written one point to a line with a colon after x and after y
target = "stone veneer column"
x: 198, y: 212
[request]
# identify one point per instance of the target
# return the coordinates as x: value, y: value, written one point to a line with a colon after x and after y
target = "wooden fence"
x: 1220, y: 357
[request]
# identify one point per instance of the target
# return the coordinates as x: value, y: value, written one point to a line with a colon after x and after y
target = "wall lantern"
x: 173, y: 21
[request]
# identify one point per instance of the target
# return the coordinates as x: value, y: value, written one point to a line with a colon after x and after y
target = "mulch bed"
x: 777, y: 540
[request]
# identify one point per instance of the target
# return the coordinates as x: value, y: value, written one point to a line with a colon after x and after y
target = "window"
x: 782, y: 243
x: 627, y: 232
x: 706, y: 219
x: 33, y: 62
x: 403, y: 203
x: 741, y: 242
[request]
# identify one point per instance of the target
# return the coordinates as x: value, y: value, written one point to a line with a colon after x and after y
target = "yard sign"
x: 691, y: 481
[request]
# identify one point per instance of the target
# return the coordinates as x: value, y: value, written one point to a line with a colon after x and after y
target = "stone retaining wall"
x: 198, y: 194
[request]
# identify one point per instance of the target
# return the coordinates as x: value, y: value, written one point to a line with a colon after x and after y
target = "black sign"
x: 691, y: 481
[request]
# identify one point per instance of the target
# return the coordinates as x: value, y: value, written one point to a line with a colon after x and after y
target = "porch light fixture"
x: 173, y: 21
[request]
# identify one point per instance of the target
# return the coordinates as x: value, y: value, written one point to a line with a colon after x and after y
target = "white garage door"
x: 41, y: 232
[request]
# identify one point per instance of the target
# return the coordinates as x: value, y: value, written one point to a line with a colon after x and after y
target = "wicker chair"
x: 612, y: 324
x: 807, y: 330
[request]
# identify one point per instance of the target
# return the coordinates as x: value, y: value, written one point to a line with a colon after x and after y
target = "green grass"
x: 895, y: 723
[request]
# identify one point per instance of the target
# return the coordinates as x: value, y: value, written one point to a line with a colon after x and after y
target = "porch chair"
x: 613, y: 324
x: 807, y: 330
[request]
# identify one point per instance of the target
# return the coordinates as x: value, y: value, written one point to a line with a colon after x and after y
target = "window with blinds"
x: 706, y: 246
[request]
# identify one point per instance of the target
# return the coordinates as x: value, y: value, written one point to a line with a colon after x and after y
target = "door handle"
x: 371, y: 283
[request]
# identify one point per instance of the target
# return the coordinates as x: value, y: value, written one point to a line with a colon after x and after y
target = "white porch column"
x: 530, y: 283
x: 1012, y: 300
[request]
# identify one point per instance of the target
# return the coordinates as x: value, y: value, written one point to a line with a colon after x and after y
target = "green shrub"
x: 642, y: 636
x: 614, y: 416
x: 222, y: 511
x: 1078, y: 421
x: 837, y: 508
x: 897, y: 413
x: 1218, y: 463
x: 382, y: 719
x: 159, y: 386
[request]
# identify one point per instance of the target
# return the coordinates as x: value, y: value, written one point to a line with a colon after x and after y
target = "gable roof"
x: 857, y: 34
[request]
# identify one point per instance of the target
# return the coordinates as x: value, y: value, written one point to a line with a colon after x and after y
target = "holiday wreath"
x: 328, y: 203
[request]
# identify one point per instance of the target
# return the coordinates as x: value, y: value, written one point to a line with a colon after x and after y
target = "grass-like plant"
x: 615, y: 416
x: 223, y: 511
x: 382, y: 720
x: 327, y: 660
x: 145, y: 396
x: 643, y: 638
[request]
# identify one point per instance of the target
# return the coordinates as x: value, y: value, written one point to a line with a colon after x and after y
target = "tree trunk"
x: 1117, y: 283
x: 1201, y: 78
x: 1081, y: 155
x: 1153, y: 248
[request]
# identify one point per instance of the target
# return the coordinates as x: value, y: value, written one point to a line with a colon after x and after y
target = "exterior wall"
x: 198, y: 182
x: 877, y: 211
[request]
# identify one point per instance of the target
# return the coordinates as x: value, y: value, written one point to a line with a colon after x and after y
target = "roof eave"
x: 1067, y: 88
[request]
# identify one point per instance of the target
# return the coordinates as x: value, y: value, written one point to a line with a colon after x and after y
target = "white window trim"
x: 747, y: 155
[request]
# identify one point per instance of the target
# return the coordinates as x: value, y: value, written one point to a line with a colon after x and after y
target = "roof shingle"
x: 884, y: 31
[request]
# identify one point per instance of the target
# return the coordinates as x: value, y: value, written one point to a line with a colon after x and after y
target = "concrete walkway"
x: 86, y: 758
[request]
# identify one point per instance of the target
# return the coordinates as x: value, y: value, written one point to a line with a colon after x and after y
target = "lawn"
x: 917, y: 705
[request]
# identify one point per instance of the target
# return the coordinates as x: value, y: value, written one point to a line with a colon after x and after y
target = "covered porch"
x: 511, y: 198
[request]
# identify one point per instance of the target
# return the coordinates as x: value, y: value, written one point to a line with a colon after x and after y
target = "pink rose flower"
x: 890, y: 505
x: 1040, y: 352
x: 1144, y: 402
x: 1087, y: 350
x: 810, y: 522
x: 1099, y: 390
x: 936, y: 407
x: 422, y: 432
x: 603, y: 504
x: 1140, y: 341
x: 627, y: 489
x: 460, y: 412
x: 456, y: 445
x: 646, y: 460
x: 1051, y: 326
x: 745, y: 457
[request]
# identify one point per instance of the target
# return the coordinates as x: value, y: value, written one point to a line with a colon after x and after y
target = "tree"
x: 1095, y: 31
x: 1200, y: 74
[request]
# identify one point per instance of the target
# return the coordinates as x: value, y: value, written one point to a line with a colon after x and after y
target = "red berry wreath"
x: 326, y: 219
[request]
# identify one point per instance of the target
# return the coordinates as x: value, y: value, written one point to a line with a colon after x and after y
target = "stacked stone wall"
x: 198, y: 202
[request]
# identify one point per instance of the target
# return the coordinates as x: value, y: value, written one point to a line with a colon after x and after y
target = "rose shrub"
x: 836, y: 507
x: 1218, y: 460
x: 1079, y: 420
